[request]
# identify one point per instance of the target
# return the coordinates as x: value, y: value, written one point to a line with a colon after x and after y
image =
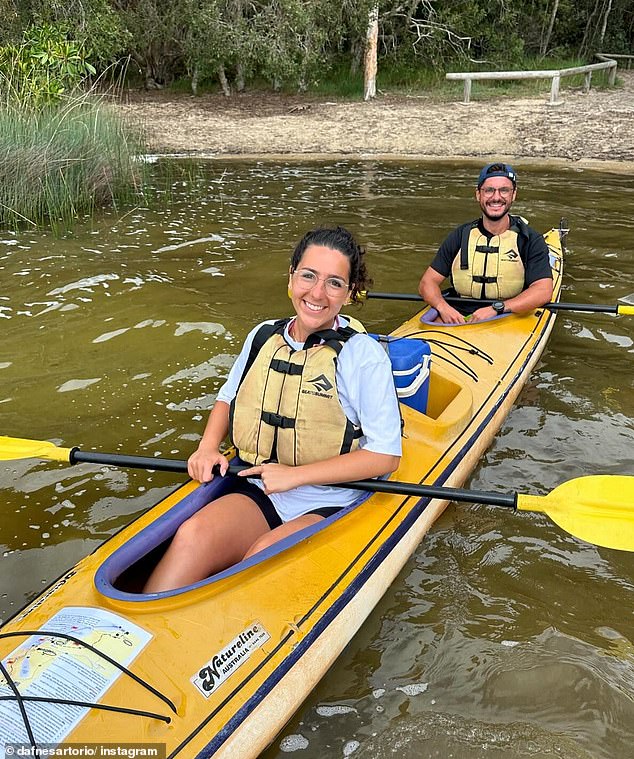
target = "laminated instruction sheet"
x: 53, y: 667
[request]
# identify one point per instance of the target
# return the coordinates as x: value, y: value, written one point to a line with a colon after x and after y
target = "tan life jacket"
x: 489, y: 268
x: 287, y: 408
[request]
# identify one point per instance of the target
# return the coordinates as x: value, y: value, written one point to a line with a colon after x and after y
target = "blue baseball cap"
x: 497, y: 170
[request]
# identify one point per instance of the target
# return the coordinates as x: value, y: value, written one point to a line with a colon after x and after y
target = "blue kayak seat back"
x: 411, y: 359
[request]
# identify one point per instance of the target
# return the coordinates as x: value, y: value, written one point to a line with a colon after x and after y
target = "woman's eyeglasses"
x: 306, y: 279
x: 490, y: 191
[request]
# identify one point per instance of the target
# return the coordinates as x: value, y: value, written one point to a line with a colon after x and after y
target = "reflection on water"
x: 503, y: 636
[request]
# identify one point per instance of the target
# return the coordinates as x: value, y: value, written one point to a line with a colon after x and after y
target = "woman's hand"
x: 276, y: 478
x: 201, y: 463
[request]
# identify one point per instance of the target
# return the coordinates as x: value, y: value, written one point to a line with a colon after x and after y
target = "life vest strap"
x: 485, y: 280
x: 332, y: 338
x: 277, y: 420
x: 464, y: 244
x: 286, y: 367
x: 487, y: 248
x: 261, y: 336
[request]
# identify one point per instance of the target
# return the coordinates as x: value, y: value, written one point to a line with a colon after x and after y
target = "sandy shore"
x: 592, y: 130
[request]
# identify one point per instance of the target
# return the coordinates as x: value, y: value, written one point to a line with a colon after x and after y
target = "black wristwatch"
x: 498, y: 306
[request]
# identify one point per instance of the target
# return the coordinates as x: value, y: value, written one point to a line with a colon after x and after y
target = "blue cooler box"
x: 410, y: 359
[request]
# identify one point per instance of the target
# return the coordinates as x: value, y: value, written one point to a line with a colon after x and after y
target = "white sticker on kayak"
x: 223, y: 664
x: 50, y: 666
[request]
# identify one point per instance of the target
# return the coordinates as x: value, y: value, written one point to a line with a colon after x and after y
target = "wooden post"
x: 554, y: 90
x: 587, y: 81
x: 371, y: 45
x: 467, y: 92
x: 612, y: 74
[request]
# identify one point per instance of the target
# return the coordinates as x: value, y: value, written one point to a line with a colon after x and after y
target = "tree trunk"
x: 604, y: 25
x: 372, y: 38
x: 543, y: 48
x: 589, y: 31
x: 222, y: 76
x: 240, y: 77
x: 356, y: 54
x: 195, y: 76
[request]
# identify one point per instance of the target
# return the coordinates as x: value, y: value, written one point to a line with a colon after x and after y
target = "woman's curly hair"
x: 338, y: 238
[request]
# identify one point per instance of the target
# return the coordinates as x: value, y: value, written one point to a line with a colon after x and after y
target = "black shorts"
x: 325, y: 511
x: 265, y: 504
x: 261, y: 500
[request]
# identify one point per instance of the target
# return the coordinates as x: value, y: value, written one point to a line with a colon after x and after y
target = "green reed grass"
x: 63, y: 161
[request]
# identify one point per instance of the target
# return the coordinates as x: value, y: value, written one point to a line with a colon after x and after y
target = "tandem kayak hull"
x: 216, y: 670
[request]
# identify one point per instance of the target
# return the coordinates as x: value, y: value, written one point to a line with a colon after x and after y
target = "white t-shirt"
x: 368, y: 397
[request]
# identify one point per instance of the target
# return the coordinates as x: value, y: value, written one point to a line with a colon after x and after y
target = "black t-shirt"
x: 531, y: 247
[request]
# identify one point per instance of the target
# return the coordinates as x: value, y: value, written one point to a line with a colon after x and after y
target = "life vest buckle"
x: 286, y: 367
x: 277, y: 420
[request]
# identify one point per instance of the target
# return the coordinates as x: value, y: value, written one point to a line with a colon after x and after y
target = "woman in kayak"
x: 309, y: 402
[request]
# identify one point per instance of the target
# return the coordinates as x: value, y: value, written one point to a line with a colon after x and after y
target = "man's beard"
x: 498, y: 214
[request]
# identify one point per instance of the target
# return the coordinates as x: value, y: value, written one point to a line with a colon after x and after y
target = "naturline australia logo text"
x: 223, y: 664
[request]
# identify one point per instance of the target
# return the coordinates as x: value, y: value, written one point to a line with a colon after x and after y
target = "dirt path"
x: 592, y: 128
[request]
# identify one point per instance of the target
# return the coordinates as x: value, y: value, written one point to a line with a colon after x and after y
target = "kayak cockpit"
x: 447, y: 409
x: 123, y: 574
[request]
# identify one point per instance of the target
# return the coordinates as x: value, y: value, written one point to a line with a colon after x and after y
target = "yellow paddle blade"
x: 625, y: 305
x: 20, y: 448
x: 598, y: 509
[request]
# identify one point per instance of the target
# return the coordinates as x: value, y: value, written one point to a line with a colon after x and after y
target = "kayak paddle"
x: 624, y: 306
x: 597, y: 508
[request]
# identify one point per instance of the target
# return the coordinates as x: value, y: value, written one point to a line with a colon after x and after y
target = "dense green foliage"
x: 42, y: 68
x: 297, y: 43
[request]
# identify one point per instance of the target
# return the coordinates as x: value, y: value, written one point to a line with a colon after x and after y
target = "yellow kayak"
x: 217, y: 669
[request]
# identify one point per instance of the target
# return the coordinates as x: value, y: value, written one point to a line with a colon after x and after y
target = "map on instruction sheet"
x: 54, y: 667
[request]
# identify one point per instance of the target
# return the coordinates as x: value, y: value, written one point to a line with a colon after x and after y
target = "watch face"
x: 498, y: 306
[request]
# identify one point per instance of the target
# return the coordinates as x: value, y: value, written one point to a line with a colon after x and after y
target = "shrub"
x: 62, y: 161
x: 43, y: 68
x: 62, y: 153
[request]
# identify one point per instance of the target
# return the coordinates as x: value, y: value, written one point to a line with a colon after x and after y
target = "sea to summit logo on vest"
x: 223, y: 664
x: 512, y: 255
x: 322, y: 386
x: 321, y: 383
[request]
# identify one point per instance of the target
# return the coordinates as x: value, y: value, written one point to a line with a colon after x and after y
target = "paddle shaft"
x: 131, y: 462
x: 372, y: 486
x: 596, y: 508
x: 589, y: 307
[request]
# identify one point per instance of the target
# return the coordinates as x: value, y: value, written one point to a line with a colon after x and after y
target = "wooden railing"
x: 616, y: 56
x: 554, y: 74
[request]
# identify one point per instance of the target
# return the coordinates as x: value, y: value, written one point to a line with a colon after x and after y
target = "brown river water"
x: 503, y: 636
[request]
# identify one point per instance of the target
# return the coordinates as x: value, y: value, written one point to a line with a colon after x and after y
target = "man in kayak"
x: 498, y: 257
x: 310, y: 401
